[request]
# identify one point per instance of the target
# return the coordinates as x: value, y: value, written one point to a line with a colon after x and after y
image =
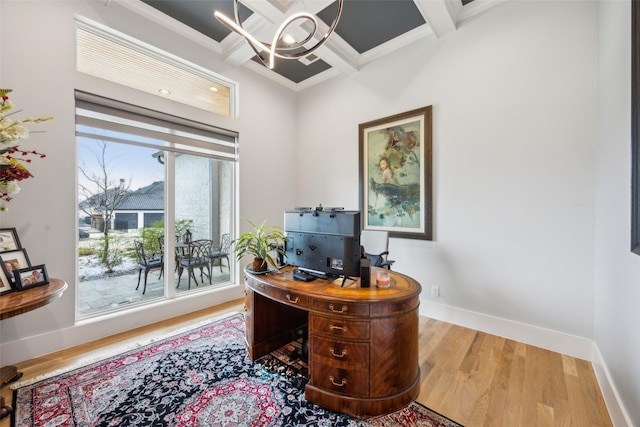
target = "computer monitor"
x: 323, y: 241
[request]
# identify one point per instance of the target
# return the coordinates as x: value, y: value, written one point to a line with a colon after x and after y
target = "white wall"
x: 617, y: 284
x: 38, y: 62
x: 514, y: 132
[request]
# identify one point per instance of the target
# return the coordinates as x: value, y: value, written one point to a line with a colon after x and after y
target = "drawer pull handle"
x: 291, y: 300
x: 342, y: 310
x: 343, y: 354
x: 340, y: 328
x: 340, y: 384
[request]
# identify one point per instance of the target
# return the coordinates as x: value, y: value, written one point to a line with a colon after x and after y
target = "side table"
x: 15, y: 303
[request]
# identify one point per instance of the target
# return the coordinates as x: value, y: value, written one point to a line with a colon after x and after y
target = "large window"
x: 150, y: 186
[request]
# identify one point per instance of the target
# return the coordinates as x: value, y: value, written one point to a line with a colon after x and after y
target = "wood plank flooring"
x: 474, y: 378
x: 478, y: 379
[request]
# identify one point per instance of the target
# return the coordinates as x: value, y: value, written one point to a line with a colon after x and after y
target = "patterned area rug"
x: 202, y: 377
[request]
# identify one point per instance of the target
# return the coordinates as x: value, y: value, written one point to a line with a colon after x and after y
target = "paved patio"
x: 117, y: 291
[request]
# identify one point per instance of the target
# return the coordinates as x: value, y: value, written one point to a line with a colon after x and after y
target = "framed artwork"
x: 9, y: 239
x: 13, y: 261
x: 396, y: 174
x: 30, y: 277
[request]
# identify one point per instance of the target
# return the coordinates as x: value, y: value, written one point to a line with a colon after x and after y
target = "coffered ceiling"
x: 367, y: 30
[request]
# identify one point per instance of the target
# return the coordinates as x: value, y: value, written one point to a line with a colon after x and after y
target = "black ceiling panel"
x: 296, y: 71
x: 366, y: 24
x: 198, y: 14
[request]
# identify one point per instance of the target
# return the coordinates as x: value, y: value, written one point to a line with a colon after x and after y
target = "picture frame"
x: 30, y: 277
x: 396, y: 174
x: 9, y: 239
x: 14, y: 260
x: 5, y: 283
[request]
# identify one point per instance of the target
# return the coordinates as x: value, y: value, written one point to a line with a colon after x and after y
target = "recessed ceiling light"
x: 288, y: 39
x: 164, y: 92
x: 213, y: 89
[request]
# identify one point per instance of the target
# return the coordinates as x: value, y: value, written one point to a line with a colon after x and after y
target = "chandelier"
x: 279, y: 48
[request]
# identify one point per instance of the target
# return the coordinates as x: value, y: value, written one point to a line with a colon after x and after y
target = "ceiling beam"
x: 265, y: 9
x: 418, y: 33
x: 336, y: 52
x: 442, y: 15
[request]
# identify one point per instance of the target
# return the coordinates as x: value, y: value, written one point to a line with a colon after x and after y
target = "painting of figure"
x: 395, y: 167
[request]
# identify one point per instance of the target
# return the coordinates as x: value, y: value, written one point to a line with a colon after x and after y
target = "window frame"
x: 185, y: 133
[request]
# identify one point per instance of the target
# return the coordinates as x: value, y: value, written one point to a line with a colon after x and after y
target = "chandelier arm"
x: 244, y: 33
x: 312, y: 49
x: 273, y: 49
x: 289, y: 21
x: 236, y: 13
x: 251, y: 41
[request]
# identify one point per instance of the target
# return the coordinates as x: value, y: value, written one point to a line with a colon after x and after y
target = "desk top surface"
x: 15, y: 303
x: 402, y: 287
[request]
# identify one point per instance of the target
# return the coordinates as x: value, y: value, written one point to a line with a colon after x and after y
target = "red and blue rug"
x: 201, y: 377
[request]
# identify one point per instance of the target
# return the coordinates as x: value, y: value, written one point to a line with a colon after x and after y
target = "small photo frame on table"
x: 30, y: 277
x: 9, y: 240
x: 5, y: 284
x: 12, y: 261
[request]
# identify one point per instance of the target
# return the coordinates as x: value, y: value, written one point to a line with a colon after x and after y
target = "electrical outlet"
x: 435, y: 292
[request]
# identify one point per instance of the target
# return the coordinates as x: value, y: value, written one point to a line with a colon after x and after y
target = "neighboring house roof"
x: 147, y: 198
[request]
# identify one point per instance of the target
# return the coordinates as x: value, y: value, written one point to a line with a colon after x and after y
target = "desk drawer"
x: 340, y: 307
x: 340, y: 354
x: 281, y: 295
x: 345, y: 381
x: 339, y: 328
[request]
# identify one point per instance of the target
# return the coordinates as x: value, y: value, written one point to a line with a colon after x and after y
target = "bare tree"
x: 102, y: 196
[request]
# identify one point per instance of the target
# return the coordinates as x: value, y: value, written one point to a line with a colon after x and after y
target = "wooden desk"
x: 15, y: 303
x: 363, y: 342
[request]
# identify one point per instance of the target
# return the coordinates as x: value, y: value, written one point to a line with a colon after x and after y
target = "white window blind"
x: 110, y: 120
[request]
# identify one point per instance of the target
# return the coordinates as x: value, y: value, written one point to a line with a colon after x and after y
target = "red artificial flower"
x: 14, y: 173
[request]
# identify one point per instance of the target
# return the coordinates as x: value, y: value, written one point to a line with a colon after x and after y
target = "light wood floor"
x: 472, y: 377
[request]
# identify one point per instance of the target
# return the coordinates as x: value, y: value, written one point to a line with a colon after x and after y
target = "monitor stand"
x: 344, y: 279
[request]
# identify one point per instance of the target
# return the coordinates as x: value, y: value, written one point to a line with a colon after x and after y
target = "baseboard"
x: 617, y: 412
x: 561, y: 342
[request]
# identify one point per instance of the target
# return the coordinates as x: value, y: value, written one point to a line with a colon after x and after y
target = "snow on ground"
x: 89, y: 266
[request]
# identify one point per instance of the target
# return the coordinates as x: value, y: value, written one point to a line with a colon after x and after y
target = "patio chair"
x: 195, y: 256
x: 147, y: 262
x: 221, y: 251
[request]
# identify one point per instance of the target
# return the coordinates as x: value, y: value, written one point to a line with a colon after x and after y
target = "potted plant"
x: 259, y: 242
